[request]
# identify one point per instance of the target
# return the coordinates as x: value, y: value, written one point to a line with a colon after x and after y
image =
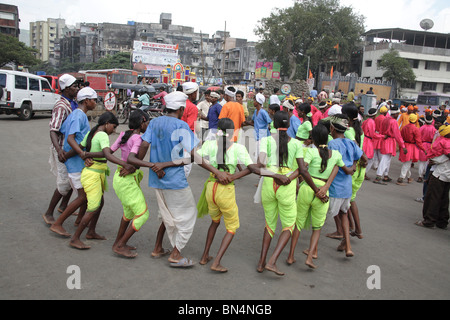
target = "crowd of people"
x: 311, y: 161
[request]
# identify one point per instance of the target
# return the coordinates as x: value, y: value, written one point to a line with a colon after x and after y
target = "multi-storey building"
x: 9, y: 20
x: 44, y: 37
x: 427, y: 52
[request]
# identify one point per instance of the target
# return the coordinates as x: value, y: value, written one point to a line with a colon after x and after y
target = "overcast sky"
x: 241, y: 16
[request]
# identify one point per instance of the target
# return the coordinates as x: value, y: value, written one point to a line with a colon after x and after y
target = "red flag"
x: 310, y: 74
x: 331, y: 74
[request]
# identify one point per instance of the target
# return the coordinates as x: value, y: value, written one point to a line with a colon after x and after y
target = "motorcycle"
x: 154, y: 110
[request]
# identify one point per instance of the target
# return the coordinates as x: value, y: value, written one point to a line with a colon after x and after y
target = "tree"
x: 12, y: 50
x: 397, y: 69
x: 310, y: 28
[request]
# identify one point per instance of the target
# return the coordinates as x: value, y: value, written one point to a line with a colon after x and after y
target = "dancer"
x: 225, y: 155
x: 280, y: 163
x: 371, y: 135
x: 323, y: 165
x: 93, y: 177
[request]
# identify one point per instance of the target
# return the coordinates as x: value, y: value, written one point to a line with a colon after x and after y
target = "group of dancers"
x: 304, y: 177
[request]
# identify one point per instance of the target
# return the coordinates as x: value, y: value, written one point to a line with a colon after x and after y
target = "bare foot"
x: 355, y: 234
x: 161, y: 253
x: 310, y: 264
x: 335, y: 235
x: 219, y: 268
x: 260, y: 268
x: 60, y: 230
x: 204, y: 261
x: 79, y: 245
x: 290, y: 261
x: 341, y: 246
x: 349, y: 253
x: 94, y: 236
x: 125, y: 252
x: 49, y: 220
x: 274, y: 269
x: 306, y: 251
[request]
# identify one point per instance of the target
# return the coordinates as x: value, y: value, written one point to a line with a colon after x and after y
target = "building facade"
x: 428, y: 54
x: 9, y: 20
x: 44, y: 37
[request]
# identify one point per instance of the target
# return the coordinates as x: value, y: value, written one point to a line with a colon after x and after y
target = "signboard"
x: 151, y: 53
x: 268, y: 70
x: 286, y: 89
x: 110, y: 101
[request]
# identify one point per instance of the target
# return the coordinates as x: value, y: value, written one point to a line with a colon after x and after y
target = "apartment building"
x: 427, y: 52
x: 44, y: 37
x: 9, y: 20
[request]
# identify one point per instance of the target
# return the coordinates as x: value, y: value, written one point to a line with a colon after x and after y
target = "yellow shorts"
x: 222, y: 202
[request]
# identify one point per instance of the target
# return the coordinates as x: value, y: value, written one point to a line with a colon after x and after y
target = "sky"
x: 240, y: 16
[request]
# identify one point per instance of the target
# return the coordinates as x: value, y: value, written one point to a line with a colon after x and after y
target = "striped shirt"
x: 59, y: 114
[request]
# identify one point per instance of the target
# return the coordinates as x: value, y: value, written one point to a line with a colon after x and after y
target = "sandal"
x: 420, y: 224
x: 183, y: 263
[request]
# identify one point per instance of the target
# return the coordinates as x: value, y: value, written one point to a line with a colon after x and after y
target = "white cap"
x: 66, y: 80
x: 189, y: 87
x: 260, y: 98
x: 175, y: 100
x: 86, y: 93
x: 336, y: 109
x: 298, y: 101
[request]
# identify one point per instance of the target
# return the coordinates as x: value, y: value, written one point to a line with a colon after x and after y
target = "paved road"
x: 413, y: 262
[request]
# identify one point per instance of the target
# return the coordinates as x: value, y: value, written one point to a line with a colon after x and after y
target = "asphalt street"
x: 410, y: 262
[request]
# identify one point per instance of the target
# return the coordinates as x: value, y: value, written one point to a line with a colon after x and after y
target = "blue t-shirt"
x: 73, y: 104
x: 261, y: 123
x: 213, y: 115
x: 168, y: 138
x: 77, y: 123
x: 341, y: 187
x: 293, y: 127
x: 313, y: 93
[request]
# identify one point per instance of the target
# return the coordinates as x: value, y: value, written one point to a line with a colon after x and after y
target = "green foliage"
x: 396, y: 68
x: 308, y: 28
x: 12, y: 50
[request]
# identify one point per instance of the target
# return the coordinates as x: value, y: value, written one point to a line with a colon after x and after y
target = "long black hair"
x: 224, y: 126
x: 137, y: 117
x: 351, y: 111
x: 281, y: 121
x: 105, y: 118
x: 320, y: 137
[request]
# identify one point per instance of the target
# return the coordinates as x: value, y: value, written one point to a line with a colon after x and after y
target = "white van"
x: 25, y: 94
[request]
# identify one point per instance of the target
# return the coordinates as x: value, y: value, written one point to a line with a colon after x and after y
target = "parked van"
x: 25, y: 94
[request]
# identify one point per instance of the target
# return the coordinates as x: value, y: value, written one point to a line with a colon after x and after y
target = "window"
x: 414, y: 63
x: 448, y: 66
x: 368, y: 63
x: 411, y: 85
x: 45, y: 86
x: 446, y: 87
x: 21, y: 82
x: 432, y: 65
x: 3, y: 80
x: 429, y: 86
x: 34, y: 84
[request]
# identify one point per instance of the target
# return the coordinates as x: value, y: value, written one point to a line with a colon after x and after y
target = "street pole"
x: 307, y: 70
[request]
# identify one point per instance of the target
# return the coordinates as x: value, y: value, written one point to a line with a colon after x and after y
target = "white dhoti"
x: 59, y: 169
x: 405, y: 172
x: 178, y: 211
x: 385, y: 165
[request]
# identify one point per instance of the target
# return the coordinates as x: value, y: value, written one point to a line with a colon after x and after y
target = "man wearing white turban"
x: 191, y: 112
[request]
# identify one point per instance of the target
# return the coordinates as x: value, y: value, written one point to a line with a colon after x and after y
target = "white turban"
x: 260, y: 98
x: 230, y: 93
x: 288, y: 105
x: 298, y: 101
x: 336, y: 109
x: 86, y: 93
x: 189, y: 87
x: 215, y: 95
x: 175, y: 100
